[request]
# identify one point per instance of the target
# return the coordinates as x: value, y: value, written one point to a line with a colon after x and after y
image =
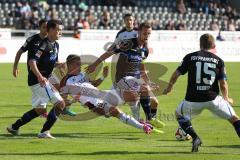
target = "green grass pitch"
x: 103, y: 138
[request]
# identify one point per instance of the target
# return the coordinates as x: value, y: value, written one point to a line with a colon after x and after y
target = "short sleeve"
x: 36, y: 53
x: 183, y: 67
x: 26, y: 45
x: 222, y: 71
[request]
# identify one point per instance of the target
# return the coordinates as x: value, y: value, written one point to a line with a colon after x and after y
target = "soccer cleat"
x: 155, y: 130
x: 67, y: 111
x: 147, y: 129
x: 195, y: 144
x: 46, y: 134
x: 12, y: 131
x: 157, y: 123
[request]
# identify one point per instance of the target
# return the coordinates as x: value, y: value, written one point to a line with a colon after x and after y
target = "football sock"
x: 153, y: 113
x: 27, y: 117
x: 187, y: 127
x: 145, y: 102
x: 130, y: 121
x: 237, y: 127
x: 135, y: 110
x: 51, y: 119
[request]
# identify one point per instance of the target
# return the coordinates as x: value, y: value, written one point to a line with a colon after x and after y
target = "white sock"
x: 135, y: 108
x: 130, y: 121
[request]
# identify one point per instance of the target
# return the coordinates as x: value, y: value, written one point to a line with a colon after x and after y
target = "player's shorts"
x: 218, y: 106
x: 129, y: 83
x: 42, y: 95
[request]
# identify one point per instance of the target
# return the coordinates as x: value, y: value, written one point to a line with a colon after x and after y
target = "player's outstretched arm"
x: 97, y: 82
x: 171, y: 82
x: 92, y: 67
x: 16, y: 61
x: 42, y: 80
x: 224, y: 90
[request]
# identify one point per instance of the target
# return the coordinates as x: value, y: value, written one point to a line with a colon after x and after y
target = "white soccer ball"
x: 181, y: 135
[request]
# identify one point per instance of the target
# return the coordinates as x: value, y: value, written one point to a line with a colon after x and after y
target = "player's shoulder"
x: 33, y: 37
x: 127, y: 34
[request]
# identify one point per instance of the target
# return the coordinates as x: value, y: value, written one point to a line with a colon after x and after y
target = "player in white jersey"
x: 78, y: 85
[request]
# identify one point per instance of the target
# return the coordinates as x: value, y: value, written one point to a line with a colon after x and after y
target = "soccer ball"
x: 181, y: 135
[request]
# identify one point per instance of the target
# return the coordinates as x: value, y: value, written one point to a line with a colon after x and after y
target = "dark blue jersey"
x: 46, y: 56
x: 130, y: 58
x: 204, y: 70
x: 31, y: 43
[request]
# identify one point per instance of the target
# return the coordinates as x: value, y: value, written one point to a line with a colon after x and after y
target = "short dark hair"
x: 41, y: 22
x: 53, y: 23
x: 71, y: 58
x: 144, y: 25
x: 207, y: 42
x: 127, y: 15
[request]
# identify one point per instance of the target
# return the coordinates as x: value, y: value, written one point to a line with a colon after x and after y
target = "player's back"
x: 204, y: 70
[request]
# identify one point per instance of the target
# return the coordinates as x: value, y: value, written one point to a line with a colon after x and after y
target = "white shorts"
x: 129, y: 83
x: 218, y: 106
x: 42, y: 95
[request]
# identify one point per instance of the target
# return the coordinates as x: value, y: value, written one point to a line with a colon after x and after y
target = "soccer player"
x: 41, y: 61
x: 205, y: 72
x: 31, y: 43
x: 75, y: 81
x: 149, y: 104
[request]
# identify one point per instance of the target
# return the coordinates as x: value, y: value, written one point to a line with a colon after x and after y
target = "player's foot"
x: 157, y: 123
x: 46, y: 134
x: 44, y: 115
x: 147, y: 129
x: 12, y: 131
x: 155, y: 130
x: 69, y: 112
x: 195, y: 144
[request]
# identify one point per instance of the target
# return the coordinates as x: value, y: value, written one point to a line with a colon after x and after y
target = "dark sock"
x: 187, y: 127
x: 237, y: 127
x: 27, y: 117
x: 153, y: 113
x: 51, y: 119
x: 145, y: 102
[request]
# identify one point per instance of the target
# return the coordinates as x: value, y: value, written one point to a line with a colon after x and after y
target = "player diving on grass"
x: 78, y: 85
x: 206, y: 71
x: 130, y: 69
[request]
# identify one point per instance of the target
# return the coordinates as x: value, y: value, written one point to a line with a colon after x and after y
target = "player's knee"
x: 114, y: 111
x: 234, y: 118
x: 154, y: 103
x: 40, y: 110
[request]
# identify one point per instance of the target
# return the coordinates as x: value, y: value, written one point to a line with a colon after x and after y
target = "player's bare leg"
x: 235, y: 121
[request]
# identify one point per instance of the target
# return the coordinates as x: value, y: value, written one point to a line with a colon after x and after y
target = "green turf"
x: 107, y: 138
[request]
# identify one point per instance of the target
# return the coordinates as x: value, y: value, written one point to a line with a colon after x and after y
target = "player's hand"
x: 42, y: 81
x: 168, y: 89
x: 230, y: 100
x: 15, y: 72
x: 105, y: 71
x: 91, y: 68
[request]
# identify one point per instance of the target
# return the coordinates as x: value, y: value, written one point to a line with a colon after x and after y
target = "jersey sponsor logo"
x: 39, y: 53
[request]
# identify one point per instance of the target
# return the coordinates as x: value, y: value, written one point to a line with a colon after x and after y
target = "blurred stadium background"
x: 88, y: 22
